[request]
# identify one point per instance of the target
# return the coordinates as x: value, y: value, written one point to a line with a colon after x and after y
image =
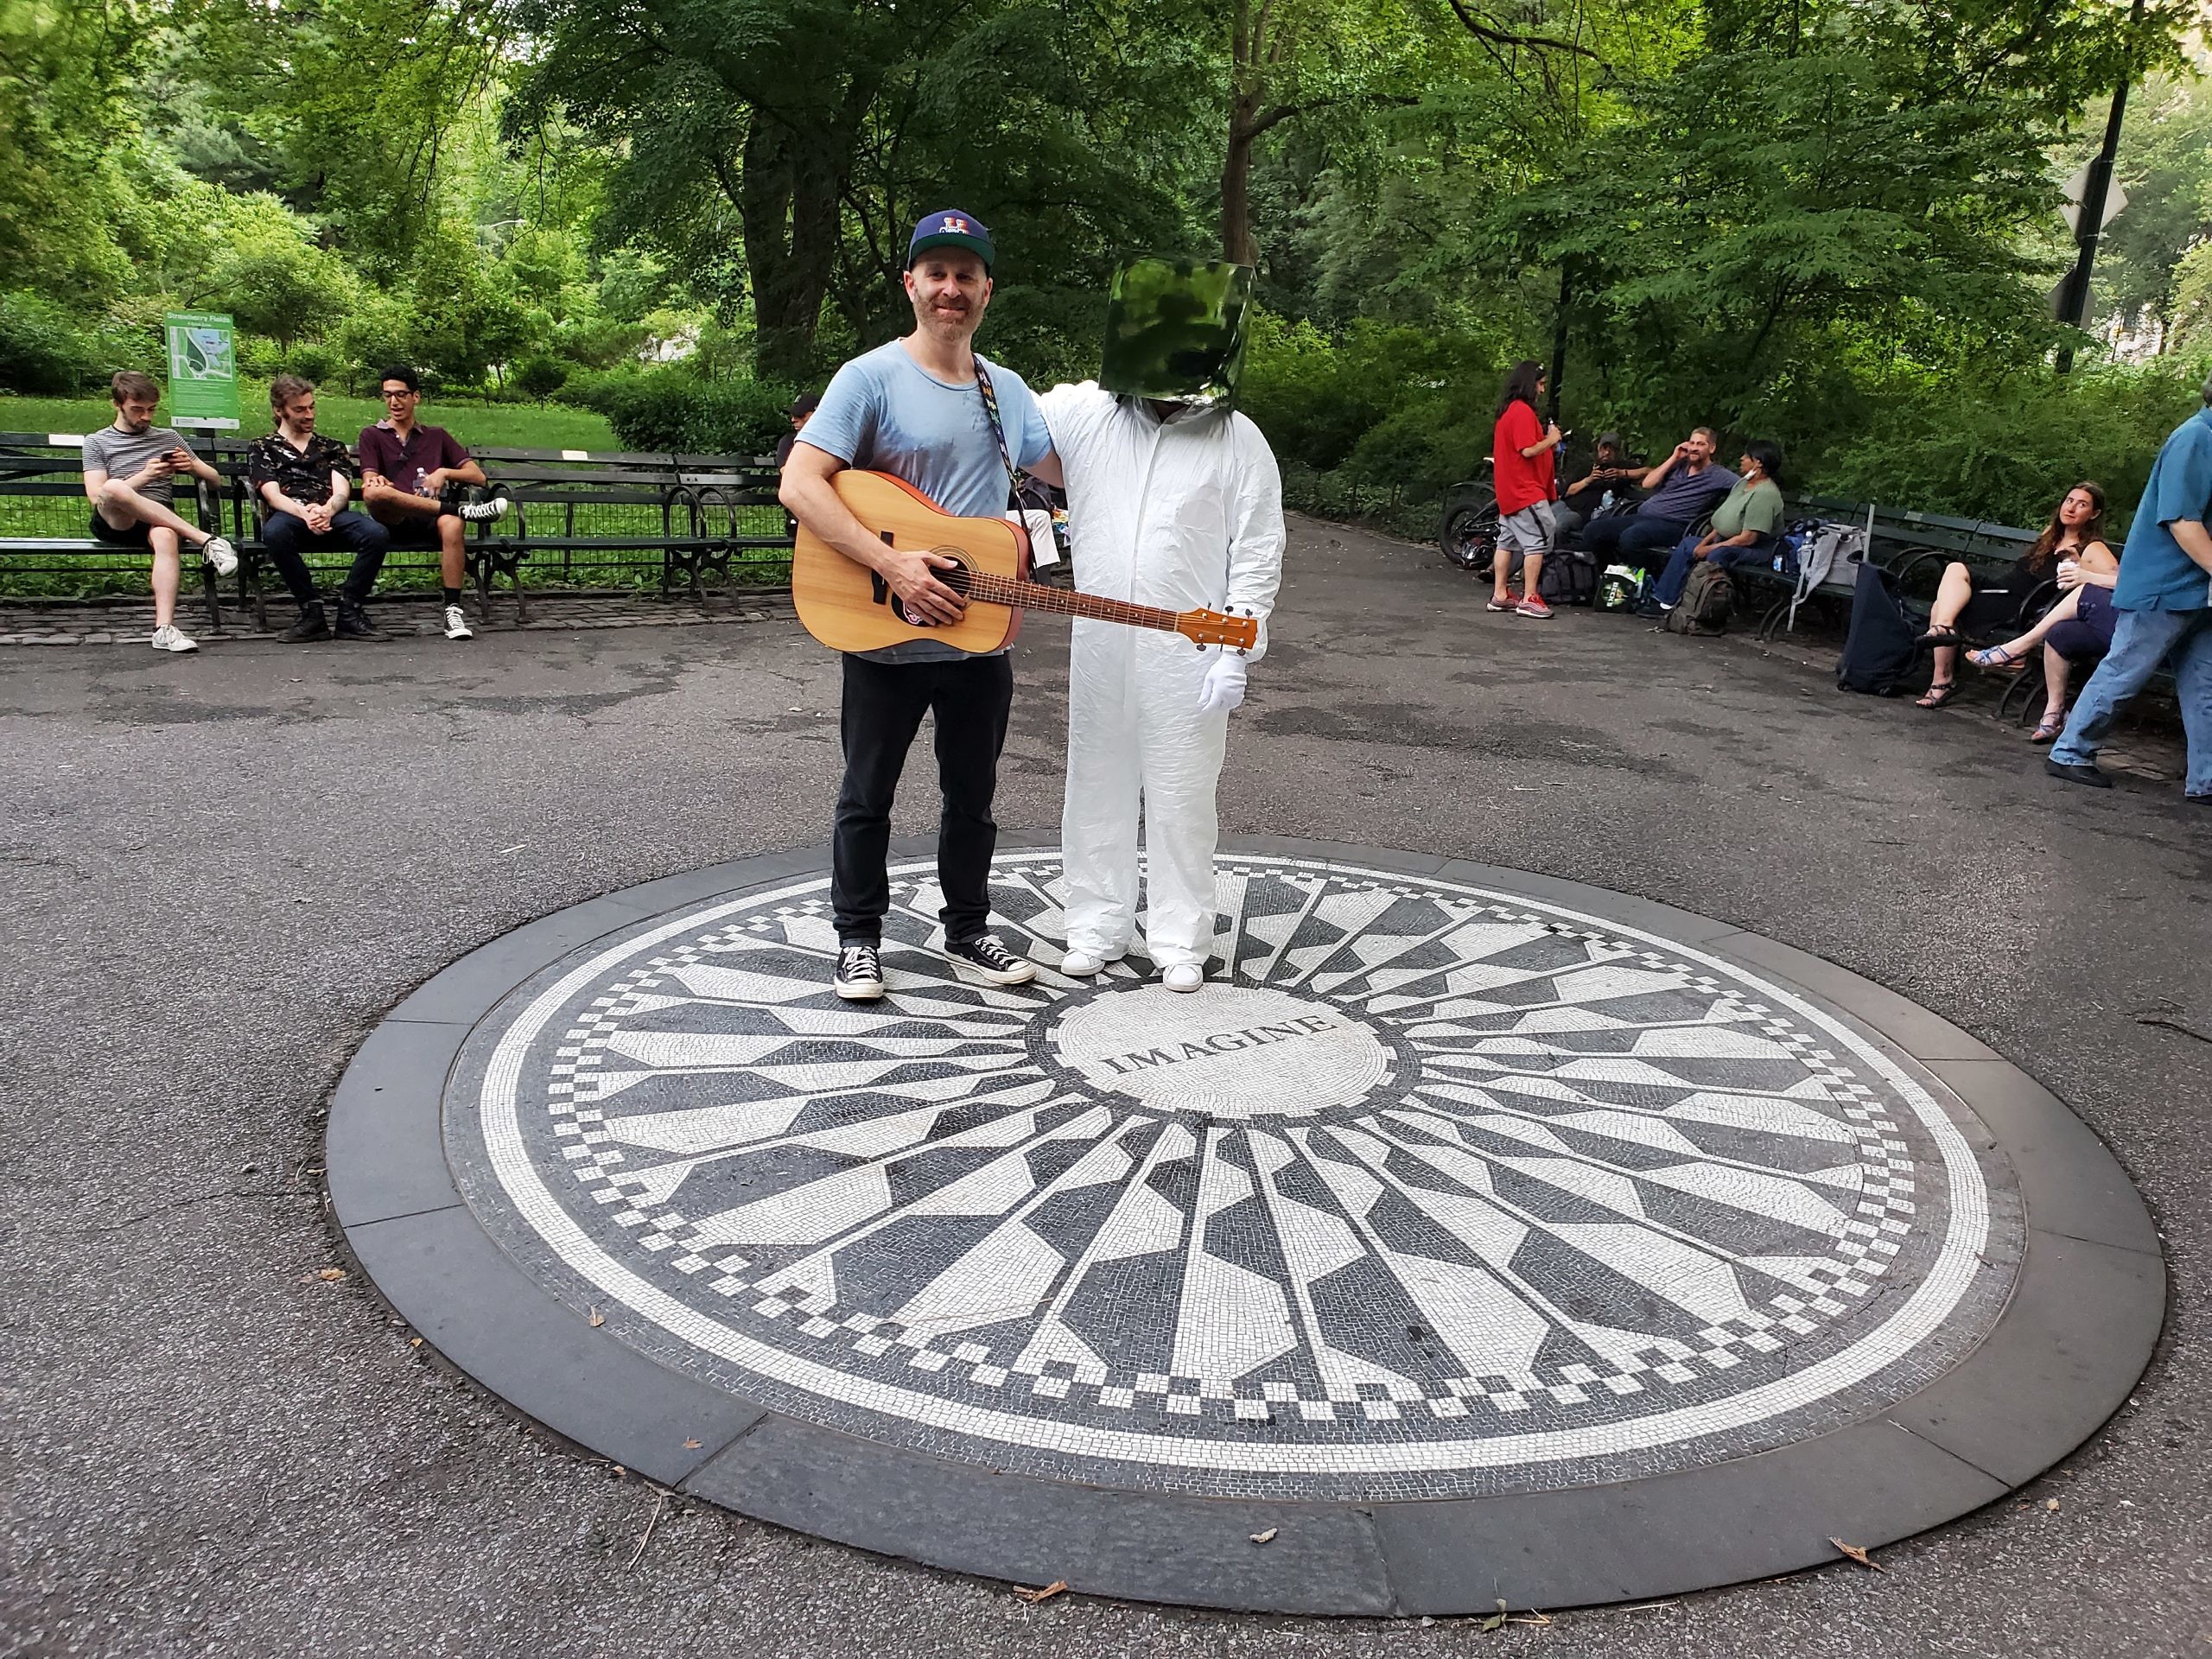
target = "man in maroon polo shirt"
x: 415, y: 481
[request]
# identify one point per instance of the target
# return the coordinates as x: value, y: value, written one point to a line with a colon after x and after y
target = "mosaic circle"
x: 1430, y: 1190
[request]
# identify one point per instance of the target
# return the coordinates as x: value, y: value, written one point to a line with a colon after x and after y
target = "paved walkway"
x: 224, y: 869
x: 414, y: 617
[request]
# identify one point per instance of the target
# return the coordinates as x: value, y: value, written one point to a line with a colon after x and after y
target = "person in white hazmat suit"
x: 1174, y: 500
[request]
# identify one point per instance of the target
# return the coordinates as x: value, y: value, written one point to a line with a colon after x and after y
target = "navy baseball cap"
x: 951, y: 228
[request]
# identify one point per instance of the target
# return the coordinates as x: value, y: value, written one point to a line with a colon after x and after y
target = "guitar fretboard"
x: 1033, y: 596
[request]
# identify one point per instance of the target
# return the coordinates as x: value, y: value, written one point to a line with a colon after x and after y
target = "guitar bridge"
x: 879, y: 590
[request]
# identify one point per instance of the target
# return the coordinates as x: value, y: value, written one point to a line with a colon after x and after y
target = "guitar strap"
x: 1014, y: 476
x: 1019, y: 483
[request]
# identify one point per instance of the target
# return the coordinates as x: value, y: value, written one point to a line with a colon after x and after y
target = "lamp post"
x: 2089, y: 220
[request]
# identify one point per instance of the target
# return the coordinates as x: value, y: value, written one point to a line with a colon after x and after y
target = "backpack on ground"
x: 1708, y: 601
x: 1881, y: 647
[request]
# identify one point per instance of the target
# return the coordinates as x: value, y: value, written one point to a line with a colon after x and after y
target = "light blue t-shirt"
x: 2155, y: 575
x: 884, y: 413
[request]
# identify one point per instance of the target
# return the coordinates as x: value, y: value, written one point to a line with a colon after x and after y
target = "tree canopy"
x: 1804, y: 218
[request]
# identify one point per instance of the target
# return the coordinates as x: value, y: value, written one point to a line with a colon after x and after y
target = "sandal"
x: 2048, y: 729
x: 1998, y: 657
x: 1936, y: 696
x: 1942, y: 635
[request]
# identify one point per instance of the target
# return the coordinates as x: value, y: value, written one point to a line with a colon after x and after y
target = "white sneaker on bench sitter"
x: 220, y: 554
x: 172, y: 638
x: 457, y: 625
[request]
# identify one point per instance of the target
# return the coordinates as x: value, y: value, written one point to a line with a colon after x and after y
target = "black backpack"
x: 1708, y: 601
x: 1883, y: 646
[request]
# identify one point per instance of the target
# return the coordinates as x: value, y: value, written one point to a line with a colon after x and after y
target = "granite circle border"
x: 2080, y: 1327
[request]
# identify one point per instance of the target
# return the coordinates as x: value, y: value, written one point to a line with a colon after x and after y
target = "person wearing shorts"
x: 1524, y: 448
x: 130, y: 468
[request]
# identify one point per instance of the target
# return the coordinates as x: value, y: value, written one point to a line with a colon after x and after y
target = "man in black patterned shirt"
x: 302, y: 481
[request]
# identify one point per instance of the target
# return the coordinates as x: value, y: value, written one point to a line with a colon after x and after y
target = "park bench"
x: 574, y: 511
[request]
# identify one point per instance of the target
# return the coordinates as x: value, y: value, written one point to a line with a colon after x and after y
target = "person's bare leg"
x: 452, y: 551
x: 1501, y: 575
x: 1946, y: 658
x: 168, y: 566
x: 2055, y: 670
x: 1951, y: 596
x: 1532, y: 567
x: 123, y: 507
x: 2068, y: 603
x: 393, y: 507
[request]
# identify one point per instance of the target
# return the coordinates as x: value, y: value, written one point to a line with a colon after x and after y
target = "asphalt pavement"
x: 221, y: 870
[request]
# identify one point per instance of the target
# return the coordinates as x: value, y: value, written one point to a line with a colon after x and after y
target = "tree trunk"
x: 788, y: 198
x: 1236, y: 244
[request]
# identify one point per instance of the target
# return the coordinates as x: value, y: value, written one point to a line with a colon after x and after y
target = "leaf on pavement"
x: 691, y: 1446
x: 1858, y: 1556
x: 1267, y: 1537
x: 1033, y: 1597
x: 331, y: 1275
x: 598, y: 1319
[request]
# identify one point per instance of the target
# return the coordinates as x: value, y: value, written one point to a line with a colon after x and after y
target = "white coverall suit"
x: 1182, y: 513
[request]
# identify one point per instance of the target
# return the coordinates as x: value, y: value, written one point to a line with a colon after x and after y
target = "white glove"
x: 1225, y: 683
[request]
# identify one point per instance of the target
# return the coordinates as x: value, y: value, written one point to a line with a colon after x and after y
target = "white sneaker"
x: 457, y: 625
x: 477, y: 512
x: 220, y: 554
x: 172, y: 638
x: 1183, y: 976
x: 1081, y: 964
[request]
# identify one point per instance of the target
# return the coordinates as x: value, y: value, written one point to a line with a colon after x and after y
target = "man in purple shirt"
x: 1685, y: 488
x: 415, y: 481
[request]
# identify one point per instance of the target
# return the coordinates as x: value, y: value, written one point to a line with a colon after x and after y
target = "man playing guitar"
x: 927, y: 410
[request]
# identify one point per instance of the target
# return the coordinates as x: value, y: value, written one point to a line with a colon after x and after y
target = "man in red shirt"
x: 1523, y: 447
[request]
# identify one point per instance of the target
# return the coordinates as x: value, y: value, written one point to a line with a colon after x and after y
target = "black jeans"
x: 883, y: 708
x: 283, y: 536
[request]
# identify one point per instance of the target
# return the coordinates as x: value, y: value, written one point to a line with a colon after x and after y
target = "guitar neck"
x: 1034, y: 596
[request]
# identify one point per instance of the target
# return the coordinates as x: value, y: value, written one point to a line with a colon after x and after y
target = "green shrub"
x: 670, y: 410
x: 45, y: 350
x: 541, y: 377
x: 2009, y: 452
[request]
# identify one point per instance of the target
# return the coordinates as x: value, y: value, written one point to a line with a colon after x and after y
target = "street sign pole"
x: 2089, y: 221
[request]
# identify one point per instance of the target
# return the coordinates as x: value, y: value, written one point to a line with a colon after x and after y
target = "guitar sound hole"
x: 955, y: 578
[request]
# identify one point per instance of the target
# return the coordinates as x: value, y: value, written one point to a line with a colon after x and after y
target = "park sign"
x: 203, y: 370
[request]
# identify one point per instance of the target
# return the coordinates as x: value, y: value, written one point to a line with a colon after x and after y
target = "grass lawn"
x: 519, y: 426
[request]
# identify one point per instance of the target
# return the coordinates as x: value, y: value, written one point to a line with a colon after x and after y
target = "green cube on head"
x: 1175, y: 330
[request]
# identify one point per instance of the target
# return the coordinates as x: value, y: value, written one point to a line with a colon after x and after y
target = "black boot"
x: 353, y: 622
x: 312, y: 625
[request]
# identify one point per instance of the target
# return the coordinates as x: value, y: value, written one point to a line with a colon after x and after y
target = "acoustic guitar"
x: 848, y: 606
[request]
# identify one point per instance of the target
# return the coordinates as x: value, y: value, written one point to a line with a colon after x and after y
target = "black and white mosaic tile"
x: 1430, y: 1192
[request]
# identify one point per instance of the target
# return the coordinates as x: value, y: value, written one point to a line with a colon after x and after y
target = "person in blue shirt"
x: 919, y: 409
x: 2164, y: 599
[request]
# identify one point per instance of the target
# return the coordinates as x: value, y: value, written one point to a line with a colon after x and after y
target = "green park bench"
x: 575, y: 512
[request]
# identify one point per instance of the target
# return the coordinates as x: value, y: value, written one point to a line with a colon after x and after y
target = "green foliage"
x: 1828, y: 222
x: 674, y: 411
x: 2010, y: 453
x: 273, y: 278
x: 541, y: 377
x: 45, y: 348
x: 64, y: 68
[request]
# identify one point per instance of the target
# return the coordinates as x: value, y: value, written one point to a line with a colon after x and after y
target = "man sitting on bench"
x: 303, y: 480
x: 414, y: 482
x: 128, y: 468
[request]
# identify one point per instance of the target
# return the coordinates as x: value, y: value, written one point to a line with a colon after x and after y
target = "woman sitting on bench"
x: 1967, y: 604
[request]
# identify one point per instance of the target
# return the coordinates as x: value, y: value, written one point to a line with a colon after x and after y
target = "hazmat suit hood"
x: 1175, y: 331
